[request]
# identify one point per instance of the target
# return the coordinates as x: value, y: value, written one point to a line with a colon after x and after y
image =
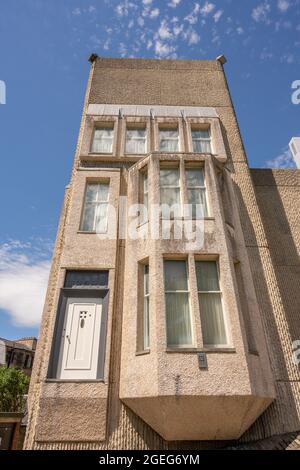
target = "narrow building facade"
x: 171, y: 318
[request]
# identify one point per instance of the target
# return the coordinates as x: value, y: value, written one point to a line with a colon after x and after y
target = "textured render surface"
x: 165, y: 83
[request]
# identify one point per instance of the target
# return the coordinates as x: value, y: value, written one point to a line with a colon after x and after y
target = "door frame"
x: 78, y: 294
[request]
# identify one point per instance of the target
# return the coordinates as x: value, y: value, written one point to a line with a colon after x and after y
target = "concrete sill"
x: 197, y: 350
x: 77, y: 381
x: 142, y: 353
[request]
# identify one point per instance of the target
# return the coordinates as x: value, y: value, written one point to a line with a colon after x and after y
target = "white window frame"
x: 201, y: 139
x: 144, y: 139
x: 96, y: 204
x: 181, y: 346
x: 214, y: 346
x: 100, y: 128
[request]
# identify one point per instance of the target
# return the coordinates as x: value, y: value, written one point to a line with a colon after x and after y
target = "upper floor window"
x: 135, y: 140
x: 103, y: 140
x: 94, y: 218
x: 201, y: 140
x: 170, y: 191
x: 196, y: 192
x: 179, y: 328
x: 210, y: 304
x: 168, y: 140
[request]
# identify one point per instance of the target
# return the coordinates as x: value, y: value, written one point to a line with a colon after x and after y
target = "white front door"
x: 80, y: 341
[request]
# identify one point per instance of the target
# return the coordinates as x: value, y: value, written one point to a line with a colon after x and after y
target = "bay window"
x: 94, y: 217
x: 103, y: 140
x: 178, y: 319
x: 210, y: 304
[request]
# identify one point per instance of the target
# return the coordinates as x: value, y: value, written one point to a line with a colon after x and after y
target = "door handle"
x: 68, y: 338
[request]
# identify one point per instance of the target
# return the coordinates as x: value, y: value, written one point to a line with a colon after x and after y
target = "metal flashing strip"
x: 150, y: 111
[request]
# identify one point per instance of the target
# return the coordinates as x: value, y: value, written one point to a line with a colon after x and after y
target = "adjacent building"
x: 18, y: 353
x: 295, y: 149
x: 172, y: 314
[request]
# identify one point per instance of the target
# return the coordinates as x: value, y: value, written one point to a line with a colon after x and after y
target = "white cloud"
x: 288, y: 58
x: 140, y: 21
x: 147, y: 2
x: 164, y: 31
x: 194, y: 38
x: 24, y: 270
x: 174, y: 3
x: 192, y: 17
x: 122, y: 49
x: 191, y: 36
x: 283, y: 5
x: 177, y: 29
x: 266, y: 54
x: 207, y: 8
x: 284, y: 160
x: 164, y: 50
x: 123, y: 8
x: 217, y: 15
x: 240, y: 30
x: 76, y: 11
x: 260, y: 14
x: 154, y: 13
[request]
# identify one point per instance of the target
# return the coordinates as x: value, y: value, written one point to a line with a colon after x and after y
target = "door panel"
x: 80, y: 341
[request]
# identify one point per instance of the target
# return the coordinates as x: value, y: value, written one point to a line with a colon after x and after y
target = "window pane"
x: 146, y: 308
x: 197, y: 201
x: 101, y: 218
x: 146, y: 323
x: 169, y: 139
x: 175, y: 275
x: 168, y: 133
x: 76, y: 279
x: 200, y: 133
x: 135, y: 141
x: 146, y: 279
x: 169, y: 177
x: 103, y: 191
x: 212, y: 320
x: 91, y: 192
x: 201, y: 146
x: 170, y: 196
x: 103, y: 140
x: 169, y: 145
x: 207, y: 276
x: 194, y: 177
x: 179, y: 332
x: 145, y: 182
x: 88, y: 218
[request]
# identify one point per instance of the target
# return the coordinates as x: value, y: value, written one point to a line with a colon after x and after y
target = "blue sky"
x: 44, y: 46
